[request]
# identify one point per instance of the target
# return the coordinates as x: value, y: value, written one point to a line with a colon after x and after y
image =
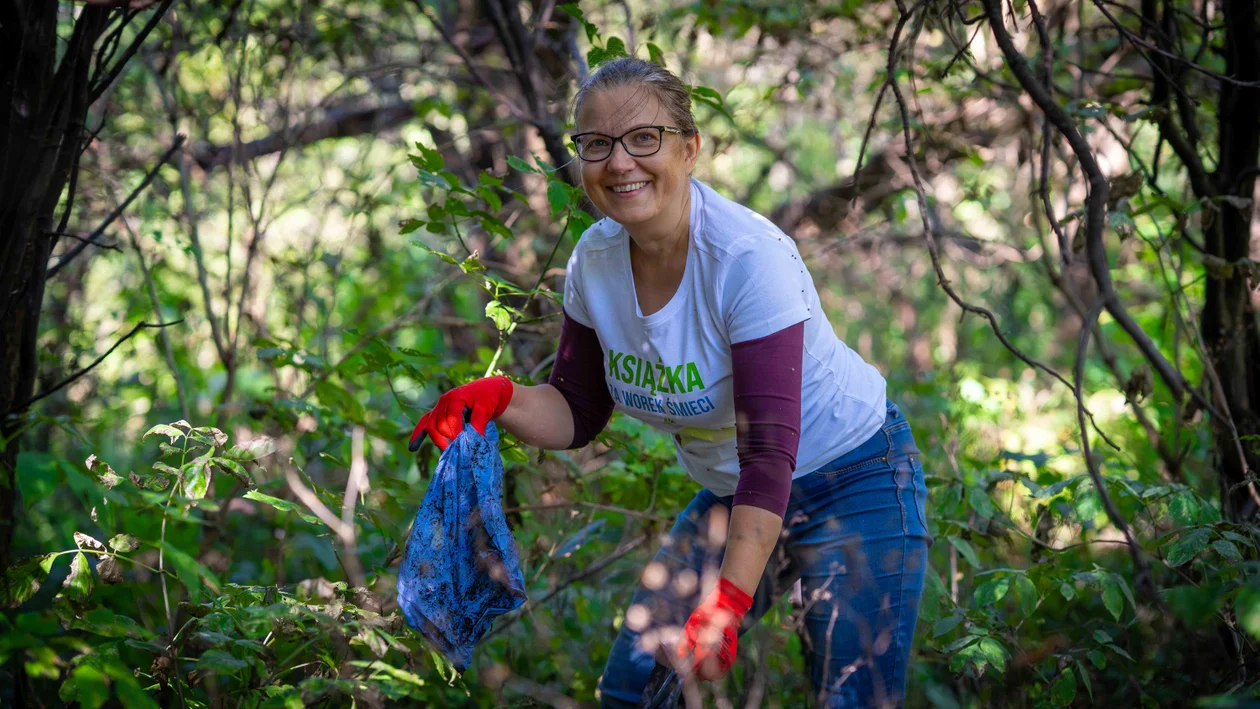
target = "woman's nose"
x: 620, y: 160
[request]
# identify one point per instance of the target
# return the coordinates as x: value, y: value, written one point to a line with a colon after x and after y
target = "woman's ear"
x: 691, y: 150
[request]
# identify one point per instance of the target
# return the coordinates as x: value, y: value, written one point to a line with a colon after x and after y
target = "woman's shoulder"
x: 732, y: 230
x: 603, y: 234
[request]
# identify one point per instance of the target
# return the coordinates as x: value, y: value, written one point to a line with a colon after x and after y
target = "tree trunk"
x: 1230, y: 330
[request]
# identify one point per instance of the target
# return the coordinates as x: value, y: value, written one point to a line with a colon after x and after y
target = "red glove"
x: 712, y: 631
x: 485, y: 398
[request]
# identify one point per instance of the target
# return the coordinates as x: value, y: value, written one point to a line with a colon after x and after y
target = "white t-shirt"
x: 744, y: 280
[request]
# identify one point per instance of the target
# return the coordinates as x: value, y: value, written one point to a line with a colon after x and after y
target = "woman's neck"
x: 665, y: 237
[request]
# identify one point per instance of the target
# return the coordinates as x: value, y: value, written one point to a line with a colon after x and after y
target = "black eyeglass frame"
x: 662, y: 130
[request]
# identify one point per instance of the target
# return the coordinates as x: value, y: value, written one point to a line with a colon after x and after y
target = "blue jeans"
x: 856, y: 537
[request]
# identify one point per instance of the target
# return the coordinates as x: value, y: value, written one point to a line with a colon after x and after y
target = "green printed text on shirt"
x: 654, y: 376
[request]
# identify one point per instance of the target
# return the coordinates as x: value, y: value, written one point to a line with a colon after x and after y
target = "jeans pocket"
x: 919, y: 487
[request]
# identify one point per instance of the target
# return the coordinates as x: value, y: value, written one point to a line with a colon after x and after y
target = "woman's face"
x: 659, y: 183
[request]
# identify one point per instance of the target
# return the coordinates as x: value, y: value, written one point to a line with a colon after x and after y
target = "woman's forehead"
x: 614, y: 111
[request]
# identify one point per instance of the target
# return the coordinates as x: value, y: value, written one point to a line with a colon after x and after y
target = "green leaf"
x: 1247, y: 608
x: 944, y: 625
x: 405, y: 227
x: 614, y: 48
x: 1099, y: 659
x: 966, y: 550
x: 220, y: 662
x: 1227, y: 550
x: 23, y: 579
x: 1188, y: 544
x: 105, y: 474
x: 489, y: 180
x: 520, y: 165
x: 431, y: 159
x: 596, y: 56
x: 992, y: 591
x: 500, y: 315
x: 993, y: 652
x: 197, y: 475
x: 1112, y: 597
x: 166, y: 430
x: 124, y: 543
x: 1120, y: 651
x: 259, y: 447
x: 1183, y: 509
x: 191, y: 573
x: 1064, y: 689
x: 1084, y: 673
x: 1102, y: 637
x: 1068, y: 591
x: 1052, y: 490
x: 979, y: 500
x: 557, y: 197
x: 492, y: 225
x: 655, y: 55
x: 490, y: 197
x: 330, y: 393
x: 1028, y: 596
x: 78, y: 585
x: 234, y: 468
x: 282, y: 505
x: 1195, y: 604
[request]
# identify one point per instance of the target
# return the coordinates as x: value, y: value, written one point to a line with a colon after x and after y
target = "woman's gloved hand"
x: 711, y: 635
x: 485, y: 399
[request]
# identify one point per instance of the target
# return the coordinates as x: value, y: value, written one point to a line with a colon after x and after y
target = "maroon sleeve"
x: 578, y: 373
x: 766, y: 377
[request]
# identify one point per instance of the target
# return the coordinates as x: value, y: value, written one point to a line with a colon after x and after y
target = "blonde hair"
x: 673, y: 94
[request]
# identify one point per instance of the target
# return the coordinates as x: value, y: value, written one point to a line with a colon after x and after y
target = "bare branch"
x: 68, y: 380
x: 103, y: 83
x: 1141, y: 570
x: 98, y: 231
x: 1096, y: 206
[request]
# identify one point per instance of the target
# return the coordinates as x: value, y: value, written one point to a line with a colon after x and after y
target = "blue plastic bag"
x: 461, y: 569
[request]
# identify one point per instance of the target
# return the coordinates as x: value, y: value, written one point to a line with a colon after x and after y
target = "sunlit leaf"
x: 165, y: 430
x: 78, y: 584
x: 1188, y: 544
x: 197, y: 476
x: 992, y: 591
x: 1063, y: 691
x: 966, y: 550
x: 23, y: 579
x: 283, y: 505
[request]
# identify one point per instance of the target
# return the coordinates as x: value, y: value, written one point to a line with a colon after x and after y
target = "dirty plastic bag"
x: 461, y: 568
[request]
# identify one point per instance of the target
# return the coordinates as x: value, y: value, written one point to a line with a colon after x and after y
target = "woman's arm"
x: 766, y: 378
x: 539, y: 416
x: 574, y: 405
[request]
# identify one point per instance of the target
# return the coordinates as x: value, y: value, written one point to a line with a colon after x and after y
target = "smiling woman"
x: 697, y: 316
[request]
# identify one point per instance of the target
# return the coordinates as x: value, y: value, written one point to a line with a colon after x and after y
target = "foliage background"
x: 364, y: 209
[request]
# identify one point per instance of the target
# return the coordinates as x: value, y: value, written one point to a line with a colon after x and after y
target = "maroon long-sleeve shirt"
x: 766, y: 379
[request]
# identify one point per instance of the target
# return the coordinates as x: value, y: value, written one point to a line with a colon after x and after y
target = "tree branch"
x: 68, y: 380
x: 98, y: 231
x: 1096, y: 206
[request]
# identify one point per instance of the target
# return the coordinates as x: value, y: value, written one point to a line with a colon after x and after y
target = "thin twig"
x: 167, y: 350
x: 1141, y: 570
x: 100, y: 230
x: 68, y: 380
x: 354, y: 571
x: 585, y: 573
x: 1096, y: 214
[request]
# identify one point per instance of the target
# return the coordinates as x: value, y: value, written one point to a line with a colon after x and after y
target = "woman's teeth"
x: 629, y: 188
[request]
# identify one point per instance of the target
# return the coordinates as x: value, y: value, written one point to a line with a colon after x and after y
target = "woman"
x: 697, y: 316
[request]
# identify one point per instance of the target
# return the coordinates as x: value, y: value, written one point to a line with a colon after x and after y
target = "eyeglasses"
x: 640, y: 142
